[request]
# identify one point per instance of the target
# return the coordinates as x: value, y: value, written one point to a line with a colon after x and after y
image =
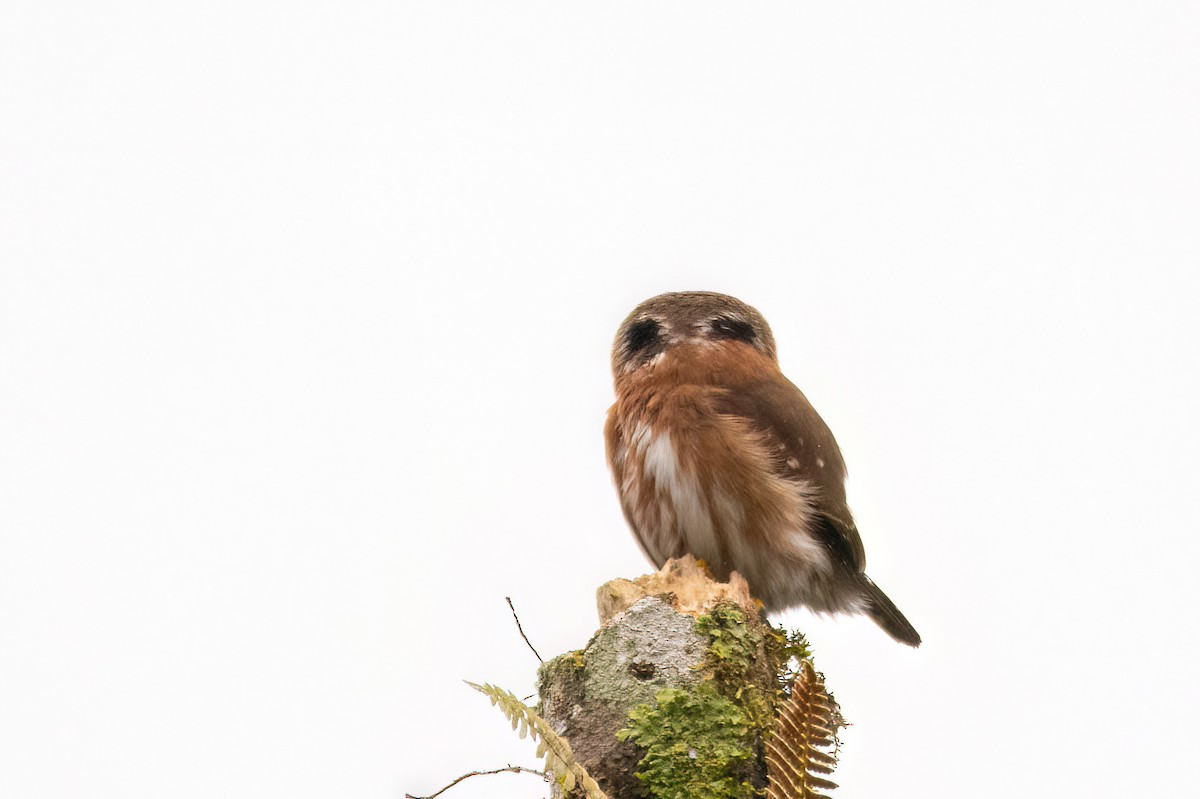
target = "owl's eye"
x: 724, y: 327
x: 641, y: 335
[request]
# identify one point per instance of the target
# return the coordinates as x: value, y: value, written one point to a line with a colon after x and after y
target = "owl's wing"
x: 803, y: 449
x: 615, y: 449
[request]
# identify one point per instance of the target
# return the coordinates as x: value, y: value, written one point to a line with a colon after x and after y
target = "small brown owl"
x: 716, y: 454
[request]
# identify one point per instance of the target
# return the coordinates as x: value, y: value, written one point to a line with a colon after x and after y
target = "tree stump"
x: 680, y: 684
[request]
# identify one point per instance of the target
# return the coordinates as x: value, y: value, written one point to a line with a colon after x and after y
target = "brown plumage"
x: 716, y: 454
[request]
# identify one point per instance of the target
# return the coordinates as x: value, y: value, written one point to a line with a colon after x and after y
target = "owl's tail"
x: 887, y: 615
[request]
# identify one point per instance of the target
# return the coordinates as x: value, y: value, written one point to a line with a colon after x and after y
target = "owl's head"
x: 703, y: 318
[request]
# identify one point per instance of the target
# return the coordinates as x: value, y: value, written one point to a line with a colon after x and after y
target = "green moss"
x: 567, y: 666
x: 737, y: 647
x: 697, y: 743
x: 787, y: 649
x: 731, y: 641
x: 701, y: 742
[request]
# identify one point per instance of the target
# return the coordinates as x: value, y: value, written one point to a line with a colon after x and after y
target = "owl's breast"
x: 696, y: 481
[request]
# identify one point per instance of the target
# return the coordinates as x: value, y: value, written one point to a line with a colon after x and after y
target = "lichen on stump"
x: 675, y: 692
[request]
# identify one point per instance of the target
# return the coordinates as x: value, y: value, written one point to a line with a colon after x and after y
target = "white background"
x: 305, y: 312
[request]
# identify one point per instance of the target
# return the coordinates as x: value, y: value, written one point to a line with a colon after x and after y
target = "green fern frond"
x: 560, y: 761
x: 796, y: 751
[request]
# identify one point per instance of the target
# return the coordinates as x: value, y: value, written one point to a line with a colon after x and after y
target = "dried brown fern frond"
x: 560, y: 761
x: 802, y: 745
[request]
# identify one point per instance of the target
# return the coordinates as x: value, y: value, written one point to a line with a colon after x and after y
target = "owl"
x: 716, y: 454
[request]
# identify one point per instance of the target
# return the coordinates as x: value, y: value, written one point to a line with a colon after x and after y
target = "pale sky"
x: 305, y: 315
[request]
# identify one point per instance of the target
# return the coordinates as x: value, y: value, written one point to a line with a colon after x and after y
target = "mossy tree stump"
x: 675, y: 693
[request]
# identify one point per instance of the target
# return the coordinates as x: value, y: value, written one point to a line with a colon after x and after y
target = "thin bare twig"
x: 521, y: 631
x: 507, y: 769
